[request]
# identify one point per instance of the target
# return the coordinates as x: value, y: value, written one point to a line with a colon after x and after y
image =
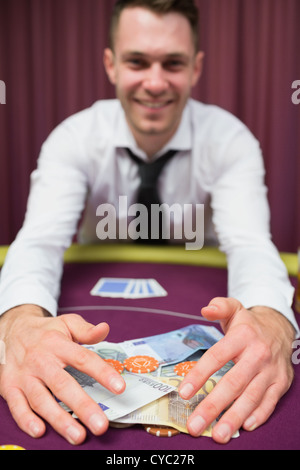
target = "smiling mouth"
x: 153, y: 104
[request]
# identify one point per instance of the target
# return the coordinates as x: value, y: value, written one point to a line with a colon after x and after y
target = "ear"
x: 109, y: 64
x: 198, y: 67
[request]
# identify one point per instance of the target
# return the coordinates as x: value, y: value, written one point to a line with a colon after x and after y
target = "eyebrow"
x: 170, y: 55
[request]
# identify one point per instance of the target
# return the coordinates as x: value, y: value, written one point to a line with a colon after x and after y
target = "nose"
x: 155, y: 81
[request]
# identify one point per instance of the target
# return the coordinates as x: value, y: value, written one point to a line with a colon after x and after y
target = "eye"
x: 174, y: 64
x: 136, y: 63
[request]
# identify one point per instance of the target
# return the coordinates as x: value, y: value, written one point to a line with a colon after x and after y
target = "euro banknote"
x: 138, y: 404
x: 171, y: 410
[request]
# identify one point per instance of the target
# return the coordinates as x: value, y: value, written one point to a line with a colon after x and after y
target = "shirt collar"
x: 181, y: 140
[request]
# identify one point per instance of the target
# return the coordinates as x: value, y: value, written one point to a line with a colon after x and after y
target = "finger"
x: 230, y: 387
x: 213, y: 360
x: 23, y: 415
x: 262, y: 413
x: 221, y: 308
x: 72, y: 354
x: 242, y: 409
x: 45, y: 405
x: 70, y: 392
x: 93, y: 365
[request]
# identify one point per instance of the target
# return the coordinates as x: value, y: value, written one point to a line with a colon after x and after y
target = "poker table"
x: 191, y: 280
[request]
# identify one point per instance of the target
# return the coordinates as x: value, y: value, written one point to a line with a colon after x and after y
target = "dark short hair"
x: 187, y: 8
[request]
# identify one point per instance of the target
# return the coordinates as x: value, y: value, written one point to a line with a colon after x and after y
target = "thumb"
x: 221, y: 308
x: 83, y: 331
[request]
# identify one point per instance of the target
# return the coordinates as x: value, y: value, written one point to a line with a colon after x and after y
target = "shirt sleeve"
x: 256, y: 274
x: 33, y: 267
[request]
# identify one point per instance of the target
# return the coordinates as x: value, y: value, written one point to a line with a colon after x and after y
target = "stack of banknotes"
x: 152, y: 398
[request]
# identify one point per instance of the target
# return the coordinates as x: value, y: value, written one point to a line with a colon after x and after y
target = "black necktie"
x: 148, y: 194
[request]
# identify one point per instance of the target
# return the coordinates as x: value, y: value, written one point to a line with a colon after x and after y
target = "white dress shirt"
x: 83, y: 164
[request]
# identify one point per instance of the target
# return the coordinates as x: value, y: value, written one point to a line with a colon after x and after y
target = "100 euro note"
x: 140, y: 390
x: 188, y: 343
x: 171, y: 410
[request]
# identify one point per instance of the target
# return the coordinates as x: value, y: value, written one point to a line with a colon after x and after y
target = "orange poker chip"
x: 141, y: 364
x: 183, y: 368
x: 161, y: 431
x: 117, y: 365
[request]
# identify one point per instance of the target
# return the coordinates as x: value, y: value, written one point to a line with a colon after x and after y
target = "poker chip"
x: 183, y: 368
x: 11, y: 447
x: 117, y: 365
x: 141, y: 364
x: 112, y: 424
x: 161, y: 431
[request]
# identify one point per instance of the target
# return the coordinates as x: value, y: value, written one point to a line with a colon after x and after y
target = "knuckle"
x: 272, y: 401
x: 59, y: 382
x: 36, y: 399
x: 81, y: 358
x: 214, y: 355
x: 247, y: 332
x: 263, y: 353
x: 253, y: 398
x: 285, y: 380
x: 210, y: 409
x: 235, y: 383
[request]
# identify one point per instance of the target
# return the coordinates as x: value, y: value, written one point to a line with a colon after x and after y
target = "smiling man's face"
x: 154, y: 66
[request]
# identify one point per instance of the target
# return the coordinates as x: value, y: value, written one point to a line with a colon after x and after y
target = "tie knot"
x: 148, y: 194
x: 150, y: 171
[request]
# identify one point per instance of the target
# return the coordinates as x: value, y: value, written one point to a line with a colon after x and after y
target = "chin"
x: 153, y: 128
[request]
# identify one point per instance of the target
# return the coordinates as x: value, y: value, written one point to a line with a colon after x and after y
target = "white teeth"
x: 152, y: 105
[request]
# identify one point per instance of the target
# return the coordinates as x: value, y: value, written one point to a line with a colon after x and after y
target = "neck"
x: 152, y: 143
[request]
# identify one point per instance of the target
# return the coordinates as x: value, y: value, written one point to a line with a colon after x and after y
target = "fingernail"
x: 224, y: 432
x: 250, y: 423
x: 117, y: 384
x: 197, y: 425
x: 34, y: 429
x: 186, y: 391
x: 73, y: 434
x: 97, y: 423
x: 213, y: 307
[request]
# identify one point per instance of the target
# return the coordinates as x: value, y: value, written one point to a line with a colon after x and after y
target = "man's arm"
x: 258, y: 339
x: 34, y: 263
x: 38, y: 348
x: 241, y: 216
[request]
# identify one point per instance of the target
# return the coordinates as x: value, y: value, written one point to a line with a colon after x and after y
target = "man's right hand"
x: 37, y: 350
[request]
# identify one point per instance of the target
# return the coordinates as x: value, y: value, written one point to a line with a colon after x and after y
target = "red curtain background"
x: 51, y: 63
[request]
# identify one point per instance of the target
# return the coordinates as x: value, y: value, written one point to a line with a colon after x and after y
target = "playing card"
x: 113, y: 287
x: 128, y: 288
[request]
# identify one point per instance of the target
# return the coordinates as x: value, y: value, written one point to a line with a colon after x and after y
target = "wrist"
x: 20, y: 312
x: 270, y: 316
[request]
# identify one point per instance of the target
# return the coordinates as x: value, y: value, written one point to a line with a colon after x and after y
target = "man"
x: 153, y: 62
